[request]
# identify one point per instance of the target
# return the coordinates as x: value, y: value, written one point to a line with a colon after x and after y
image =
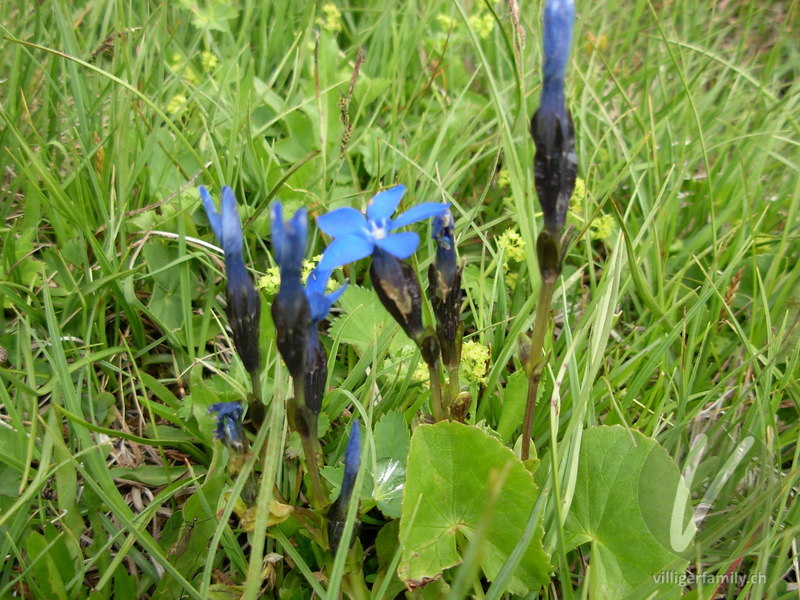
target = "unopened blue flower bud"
x: 244, y: 305
x: 337, y: 515
x: 290, y: 310
x: 555, y: 163
x: 444, y: 280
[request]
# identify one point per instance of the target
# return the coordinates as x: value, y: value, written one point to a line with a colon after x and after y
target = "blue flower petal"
x: 288, y: 238
x: 336, y: 294
x: 231, y: 226
x: 228, y: 420
x: 399, y: 245
x: 345, y: 250
x: 383, y: 204
x: 317, y: 281
x: 419, y: 213
x: 299, y: 228
x: 342, y: 222
x: 214, y: 218
x: 440, y: 223
x: 318, y: 306
x: 352, y: 460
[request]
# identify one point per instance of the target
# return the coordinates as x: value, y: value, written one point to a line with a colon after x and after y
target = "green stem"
x: 455, y: 385
x: 356, y: 586
x: 436, y: 392
x: 257, y: 413
x: 318, y: 499
x: 535, y: 363
x: 299, y: 421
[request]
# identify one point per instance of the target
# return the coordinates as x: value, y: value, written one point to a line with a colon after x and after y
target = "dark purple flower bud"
x: 444, y: 280
x: 319, y: 304
x: 244, y: 305
x: 316, y: 373
x: 337, y: 515
x: 398, y: 289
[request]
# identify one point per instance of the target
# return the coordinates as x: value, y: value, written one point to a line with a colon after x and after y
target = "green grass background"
x: 679, y: 305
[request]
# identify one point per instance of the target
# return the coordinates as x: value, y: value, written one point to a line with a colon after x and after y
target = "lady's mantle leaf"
x: 623, y: 504
x: 449, y: 469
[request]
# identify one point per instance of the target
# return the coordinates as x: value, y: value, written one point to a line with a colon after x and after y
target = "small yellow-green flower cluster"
x: 475, y: 359
x: 512, y: 244
x: 483, y: 24
x: 578, y: 197
x: 602, y: 227
x: 271, y: 280
x: 183, y: 69
x: 503, y: 178
x: 176, y: 104
x: 208, y: 61
x: 332, y: 20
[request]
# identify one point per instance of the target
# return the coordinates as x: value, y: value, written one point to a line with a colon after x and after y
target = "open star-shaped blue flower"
x: 356, y: 236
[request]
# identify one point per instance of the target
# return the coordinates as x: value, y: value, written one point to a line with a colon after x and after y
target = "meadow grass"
x: 678, y: 308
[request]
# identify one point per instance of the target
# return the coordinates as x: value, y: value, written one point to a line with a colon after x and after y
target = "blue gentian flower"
x: 356, y: 236
x: 316, y: 373
x: 445, y: 264
x: 444, y: 280
x: 337, y: 515
x: 244, y: 304
x: 229, y: 424
x: 352, y: 459
x: 290, y: 310
x: 555, y: 164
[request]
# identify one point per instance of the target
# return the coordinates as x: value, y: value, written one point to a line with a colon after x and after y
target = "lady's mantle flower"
x: 356, y: 236
x: 229, y: 424
x: 244, y: 305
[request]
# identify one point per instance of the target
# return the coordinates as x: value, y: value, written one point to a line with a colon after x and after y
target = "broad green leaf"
x: 391, y: 450
x: 624, y: 495
x: 364, y: 319
x: 44, y: 566
x: 448, y: 486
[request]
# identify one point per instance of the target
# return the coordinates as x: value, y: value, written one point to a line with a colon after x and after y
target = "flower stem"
x: 455, y: 386
x: 436, y: 392
x: 535, y: 363
x: 256, y: 410
x: 298, y: 416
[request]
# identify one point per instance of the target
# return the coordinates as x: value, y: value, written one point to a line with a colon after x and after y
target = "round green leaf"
x: 626, y: 491
x: 449, y: 498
